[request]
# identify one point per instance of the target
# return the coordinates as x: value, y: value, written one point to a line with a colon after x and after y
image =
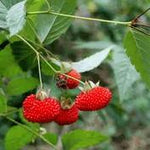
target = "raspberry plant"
x: 48, y: 88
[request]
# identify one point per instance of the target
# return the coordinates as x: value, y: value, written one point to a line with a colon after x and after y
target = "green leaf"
x: 9, y: 3
x: 3, y: 104
x: 16, y: 17
x: 35, y: 5
x: 78, y: 139
x: 51, y: 137
x: 21, y: 85
x: 92, y: 61
x: 17, y: 137
x: 3, y: 37
x: 8, y: 66
x: 92, y: 45
x: 50, y: 27
x: 29, y: 31
x: 138, y: 49
x: 3, y: 13
x: 11, y: 109
x: 4, y: 7
x: 125, y: 73
x: 24, y: 55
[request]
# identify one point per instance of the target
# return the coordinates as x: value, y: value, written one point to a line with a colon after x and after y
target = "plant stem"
x: 55, y: 71
x: 32, y: 131
x: 49, y: 64
x: 58, y: 72
x: 43, y: 48
x: 39, y: 69
x: 142, y: 13
x: 37, y: 52
x: 20, y: 37
x: 79, y: 17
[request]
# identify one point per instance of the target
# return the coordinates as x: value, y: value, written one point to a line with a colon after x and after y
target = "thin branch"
x: 43, y: 48
x: 141, y: 31
x: 142, y: 13
x: 39, y: 69
x: 141, y: 24
x: 135, y: 21
x: 20, y: 37
x: 57, y: 72
x: 49, y: 64
x: 78, y: 17
x: 32, y: 131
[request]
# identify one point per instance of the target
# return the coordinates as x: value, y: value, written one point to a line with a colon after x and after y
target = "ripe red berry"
x: 41, y: 111
x: 94, y: 99
x: 68, y: 83
x: 67, y: 116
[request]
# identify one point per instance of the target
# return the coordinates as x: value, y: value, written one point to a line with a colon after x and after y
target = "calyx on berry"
x: 42, y: 111
x: 88, y: 86
x: 42, y: 94
x: 94, y: 98
x: 68, y: 113
x: 66, y: 103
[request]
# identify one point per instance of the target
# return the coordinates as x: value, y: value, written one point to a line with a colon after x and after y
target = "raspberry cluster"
x: 43, y: 109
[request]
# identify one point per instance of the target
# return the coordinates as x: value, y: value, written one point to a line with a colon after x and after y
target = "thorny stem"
x: 55, y: 71
x: 39, y: 69
x: 30, y: 130
x: 79, y: 17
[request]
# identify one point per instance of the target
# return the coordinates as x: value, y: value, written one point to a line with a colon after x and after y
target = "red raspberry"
x: 68, y: 83
x: 94, y: 99
x: 67, y: 116
x: 41, y: 111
